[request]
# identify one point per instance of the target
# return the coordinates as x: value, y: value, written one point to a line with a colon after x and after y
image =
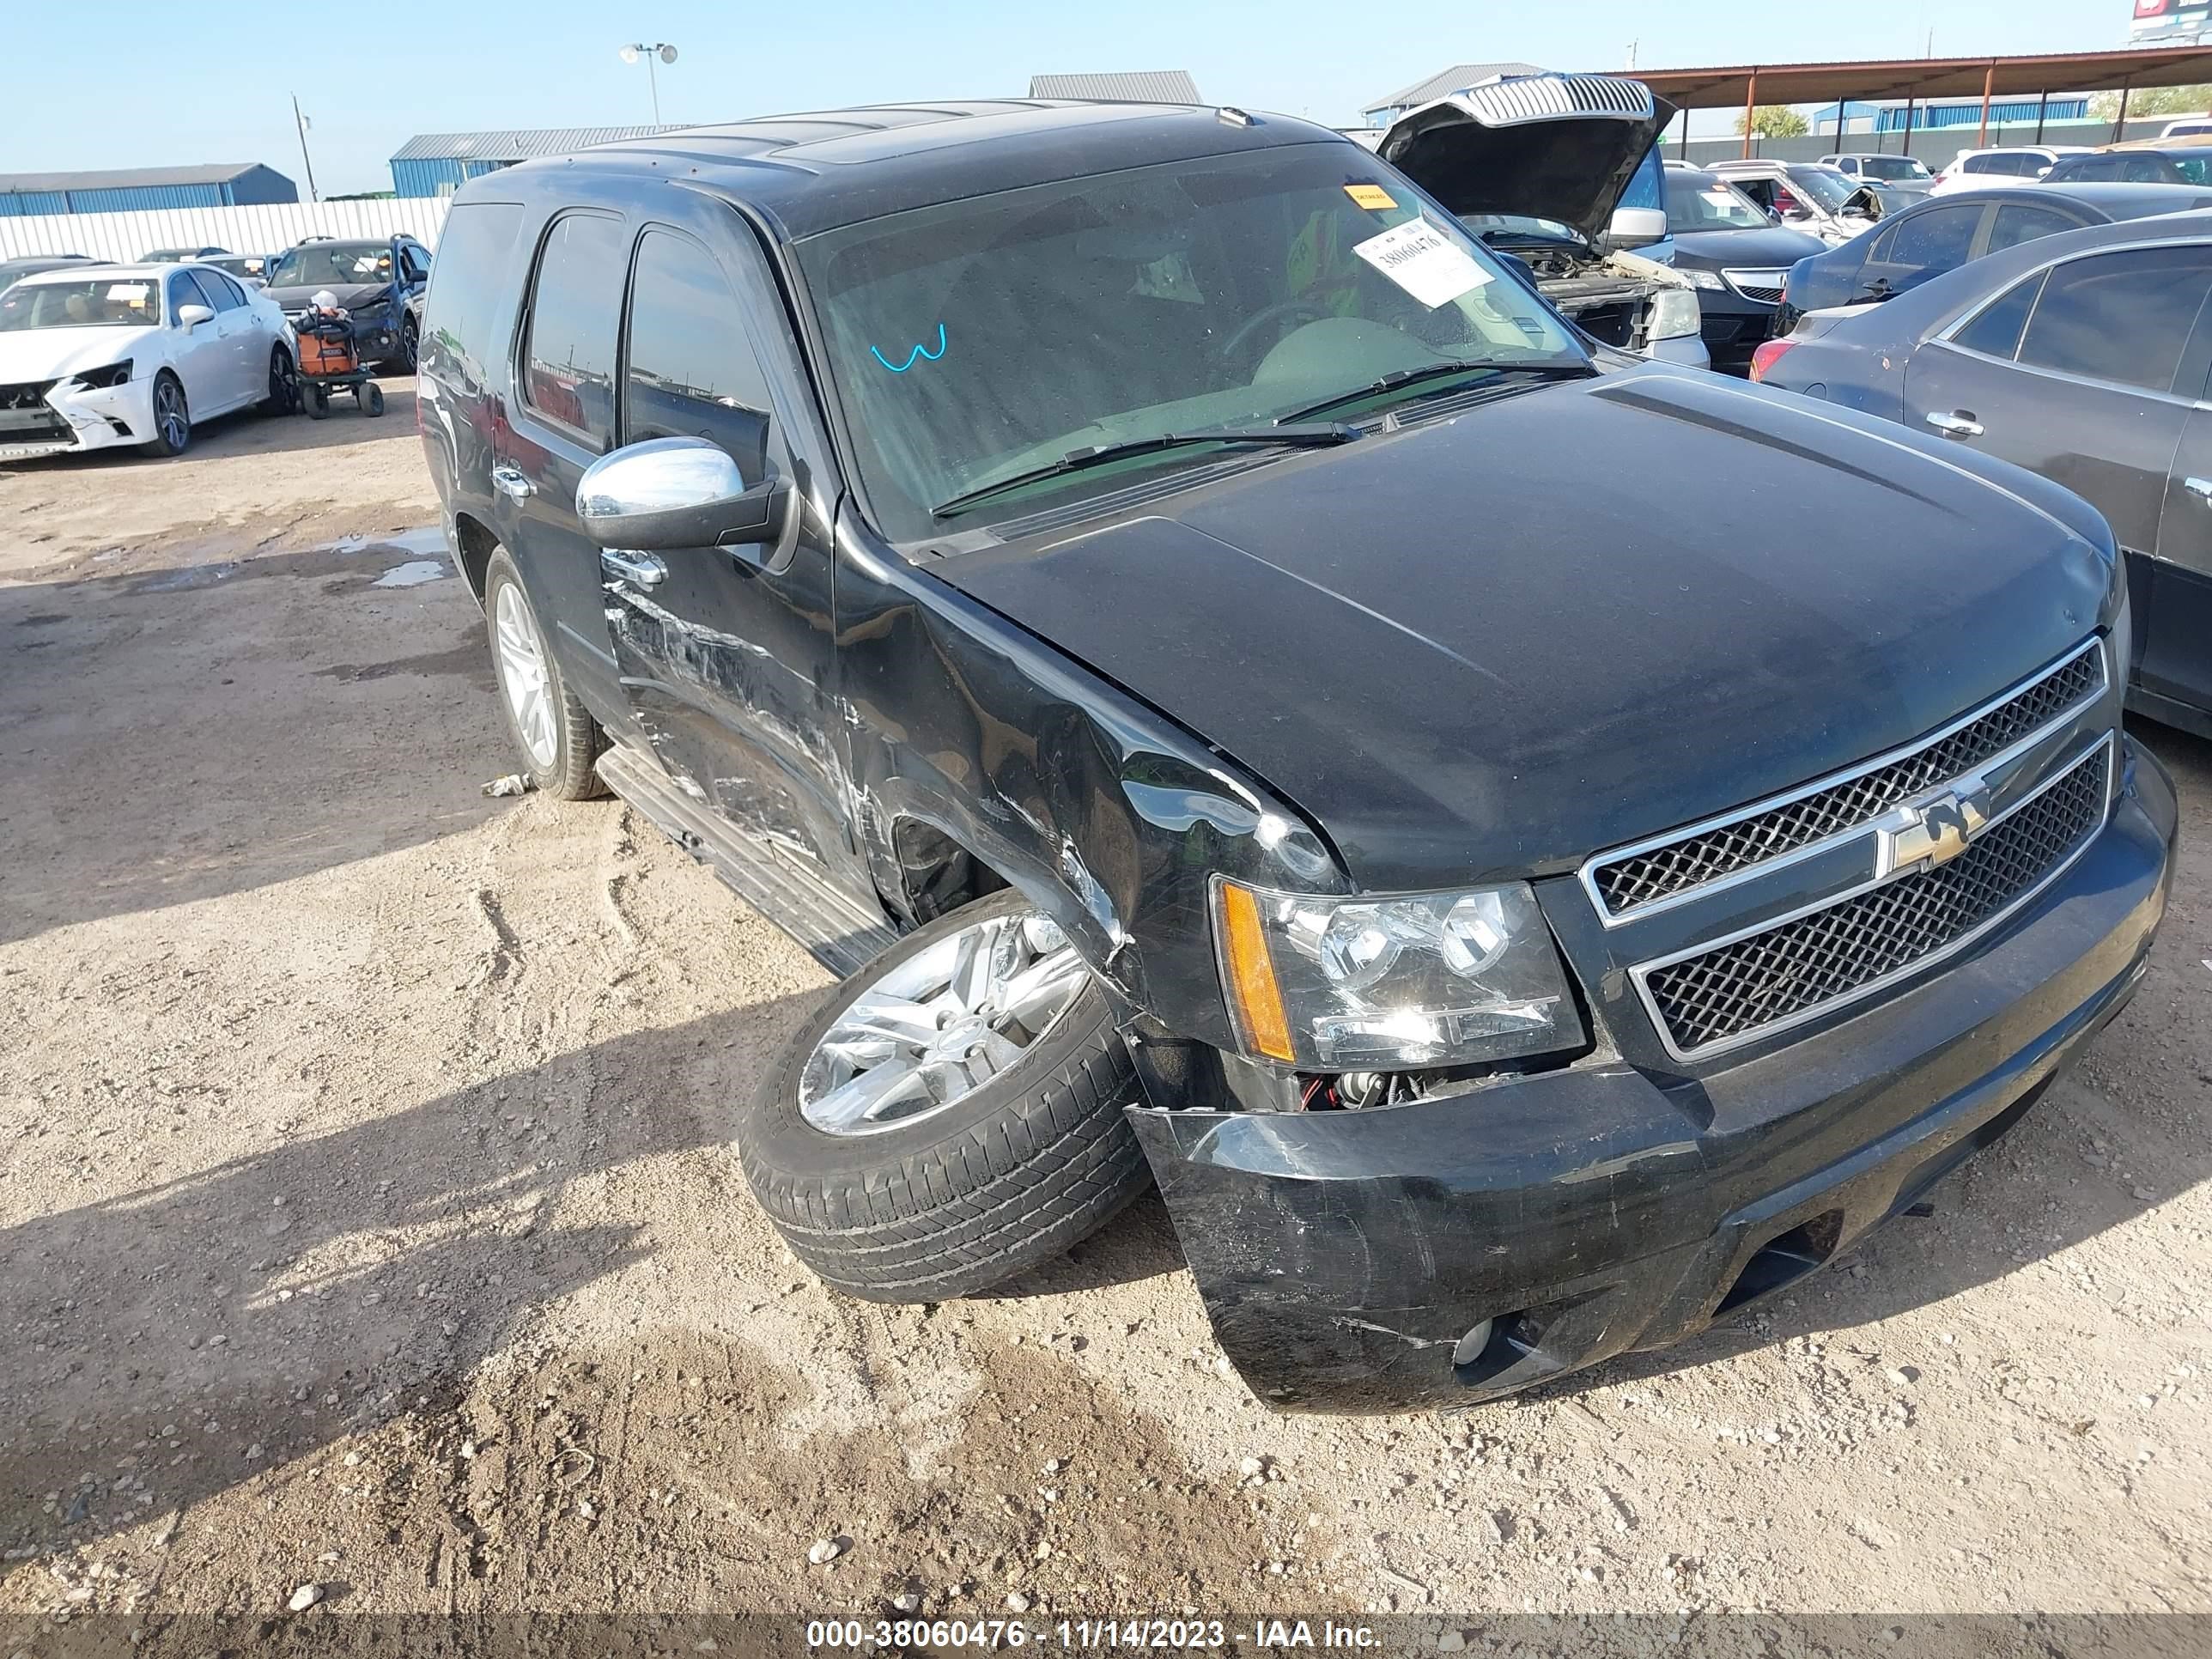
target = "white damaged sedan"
x: 92, y: 358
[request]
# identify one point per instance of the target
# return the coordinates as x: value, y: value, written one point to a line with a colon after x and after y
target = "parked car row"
x: 1251, y: 698
x: 94, y: 355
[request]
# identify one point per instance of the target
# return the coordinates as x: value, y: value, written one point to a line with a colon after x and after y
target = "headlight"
x: 113, y: 375
x: 1702, y: 278
x: 1389, y: 984
x: 1673, y: 314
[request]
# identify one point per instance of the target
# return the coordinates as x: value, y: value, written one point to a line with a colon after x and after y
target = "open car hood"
x: 1559, y: 147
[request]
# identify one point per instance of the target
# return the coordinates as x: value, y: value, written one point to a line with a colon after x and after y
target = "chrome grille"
x: 1515, y: 99
x: 1764, y: 286
x: 1629, y: 883
x: 1789, y: 971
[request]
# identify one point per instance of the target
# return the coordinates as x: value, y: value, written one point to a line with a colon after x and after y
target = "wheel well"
x: 477, y: 546
x: 936, y: 874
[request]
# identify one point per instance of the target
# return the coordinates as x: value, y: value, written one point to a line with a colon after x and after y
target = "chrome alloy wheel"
x: 523, y: 677
x: 939, y: 1025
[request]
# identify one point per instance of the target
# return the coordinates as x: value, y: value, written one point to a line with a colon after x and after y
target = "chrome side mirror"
x: 667, y: 492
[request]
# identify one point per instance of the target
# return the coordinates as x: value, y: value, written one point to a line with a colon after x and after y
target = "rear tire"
x: 284, y: 395
x: 552, y: 731
x: 956, y: 1197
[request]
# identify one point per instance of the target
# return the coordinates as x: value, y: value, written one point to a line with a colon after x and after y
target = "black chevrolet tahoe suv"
x: 1248, y: 698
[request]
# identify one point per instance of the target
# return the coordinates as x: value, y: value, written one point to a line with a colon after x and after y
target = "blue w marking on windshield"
x: 919, y: 351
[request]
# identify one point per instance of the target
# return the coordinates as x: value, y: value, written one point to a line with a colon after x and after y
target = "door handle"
x: 638, y: 569
x: 510, y: 483
x: 2200, y: 488
x: 1957, y: 424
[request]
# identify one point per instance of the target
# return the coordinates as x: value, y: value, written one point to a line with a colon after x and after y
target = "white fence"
x: 126, y: 236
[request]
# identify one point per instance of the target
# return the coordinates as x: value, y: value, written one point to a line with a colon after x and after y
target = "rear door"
x: 561, y: 414
x: 726, y: 654
x: 2072, y: 373
x: 1922, y: 244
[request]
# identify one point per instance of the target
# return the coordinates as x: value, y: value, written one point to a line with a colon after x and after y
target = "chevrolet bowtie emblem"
x: 1934, y: 830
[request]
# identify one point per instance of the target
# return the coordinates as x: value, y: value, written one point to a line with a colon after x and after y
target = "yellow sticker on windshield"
x: 1370, y: 196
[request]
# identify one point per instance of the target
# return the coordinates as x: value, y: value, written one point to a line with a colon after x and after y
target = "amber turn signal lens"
x: 1251, y: 975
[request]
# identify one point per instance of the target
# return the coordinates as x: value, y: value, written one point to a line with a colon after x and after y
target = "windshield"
x: 101, y: 302
x: 1701, y: 202
x: 1893, y: 168
x: 979, y: 338
x: 1825, y: 185
x: 331, y: 264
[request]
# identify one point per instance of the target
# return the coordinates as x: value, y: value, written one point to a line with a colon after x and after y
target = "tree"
x: 2153, y: 100
x: 1775, y: 121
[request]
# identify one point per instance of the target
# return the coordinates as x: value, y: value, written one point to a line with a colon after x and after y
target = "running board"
x: 837, y: 932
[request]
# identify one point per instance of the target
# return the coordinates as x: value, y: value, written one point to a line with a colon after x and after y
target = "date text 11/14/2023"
x: 1285, y: 1635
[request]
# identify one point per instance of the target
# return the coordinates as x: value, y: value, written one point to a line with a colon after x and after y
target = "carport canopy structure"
x: 1916, y: 79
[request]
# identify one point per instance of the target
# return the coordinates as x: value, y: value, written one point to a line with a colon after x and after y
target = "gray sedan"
x: 2082, y: 357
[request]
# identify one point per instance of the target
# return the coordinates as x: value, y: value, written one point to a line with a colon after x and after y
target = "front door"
x: 561, y: 414
x: 207, y: 361
x: 726, y: 654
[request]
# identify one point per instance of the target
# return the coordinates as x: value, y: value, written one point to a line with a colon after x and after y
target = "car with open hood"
x: 373, y: 278
x: 1246, y: 697
x: 1561, y: 173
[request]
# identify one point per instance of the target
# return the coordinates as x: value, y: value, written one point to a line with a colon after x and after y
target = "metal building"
x: 440, y: 163
x: 137, y: 190
x: 1138, y: 86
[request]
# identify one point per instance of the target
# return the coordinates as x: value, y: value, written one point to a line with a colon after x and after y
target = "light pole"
x: 660, y: 49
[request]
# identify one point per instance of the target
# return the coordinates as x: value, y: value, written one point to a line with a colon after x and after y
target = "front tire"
x: 557, y: 737
x: 916, y: 1143
x: 173, y: 418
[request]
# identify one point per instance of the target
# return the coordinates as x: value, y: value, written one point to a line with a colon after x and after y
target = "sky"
x: 177, y: 93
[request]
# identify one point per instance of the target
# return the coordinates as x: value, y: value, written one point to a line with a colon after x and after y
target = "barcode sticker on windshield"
x: 1419, y: 257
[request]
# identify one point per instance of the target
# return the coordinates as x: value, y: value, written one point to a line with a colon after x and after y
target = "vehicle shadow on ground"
x: 216, y: 1325
x: 183, y: 732
x: 249, y: 432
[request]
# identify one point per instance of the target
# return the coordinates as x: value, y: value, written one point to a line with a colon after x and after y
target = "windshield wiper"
x: 1398, y: 377
x: 1313, y: 436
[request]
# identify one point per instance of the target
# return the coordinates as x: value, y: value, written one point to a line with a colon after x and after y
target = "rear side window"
x: 1935, y: 241
x: 575, y: 305
x: 2017, y: 224
x: 473, y: 276
x: 690, y: 370
x: 1996, y: 332
x: 2121, y: 316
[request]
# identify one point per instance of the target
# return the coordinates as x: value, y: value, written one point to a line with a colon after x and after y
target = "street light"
x: 660, y: 49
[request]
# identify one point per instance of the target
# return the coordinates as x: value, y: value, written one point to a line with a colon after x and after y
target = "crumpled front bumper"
x: 1343, y: 1256
x: 93, y: 418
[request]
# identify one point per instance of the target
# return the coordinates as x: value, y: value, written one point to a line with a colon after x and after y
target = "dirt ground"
x: 369, y: 1223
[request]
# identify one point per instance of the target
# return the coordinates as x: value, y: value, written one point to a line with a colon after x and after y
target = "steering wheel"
x: 1281, y: 311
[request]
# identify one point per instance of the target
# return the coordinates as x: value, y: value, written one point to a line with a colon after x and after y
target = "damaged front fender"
x: 1101, y: 811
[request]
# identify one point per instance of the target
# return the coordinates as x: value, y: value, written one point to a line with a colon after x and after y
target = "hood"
x: 350, y: 295
x: 1736, y: 250
x: 1560, y: 147
x: 1491, y: 645
x: 48, y: 354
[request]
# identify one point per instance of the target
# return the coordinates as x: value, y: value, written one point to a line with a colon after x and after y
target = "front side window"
x: 102, y: 303
x: 690, y: 371
x: 981, y: 338
x: 2121, y: 316
x: 185, y: 290
x: 1937, y: 240
x: 222, y: 293
x: 575, y: 304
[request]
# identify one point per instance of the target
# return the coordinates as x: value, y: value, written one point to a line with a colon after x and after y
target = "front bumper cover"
x: 1343, y: 1256
x: 98, y: 417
